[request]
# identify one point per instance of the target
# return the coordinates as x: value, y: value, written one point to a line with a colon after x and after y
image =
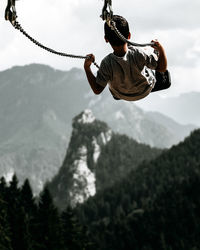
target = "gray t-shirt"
x: 129, y: 77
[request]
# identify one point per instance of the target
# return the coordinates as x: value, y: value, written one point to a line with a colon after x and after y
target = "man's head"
x: 122, y: 26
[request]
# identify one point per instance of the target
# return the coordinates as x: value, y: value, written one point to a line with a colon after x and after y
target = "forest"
x: 29, y: 223
x: 156, y: 206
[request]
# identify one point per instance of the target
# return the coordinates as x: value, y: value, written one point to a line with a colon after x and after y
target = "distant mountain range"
x: 152, y: 128
x: 184, y: 108
x: 37, y: 105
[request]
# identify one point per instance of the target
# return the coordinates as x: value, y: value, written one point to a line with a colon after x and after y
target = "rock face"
x: 76, y: 180
x: 96, y: 158
x: 86, y: 155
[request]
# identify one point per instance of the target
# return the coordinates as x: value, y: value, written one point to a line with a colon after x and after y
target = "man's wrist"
x: 87, y: 68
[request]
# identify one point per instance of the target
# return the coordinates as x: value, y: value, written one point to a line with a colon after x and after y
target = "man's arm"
x: 162, y: 58
x: 97, y: 89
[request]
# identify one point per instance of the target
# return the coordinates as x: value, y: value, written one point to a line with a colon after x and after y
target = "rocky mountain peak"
x: 89, y: 135
x: 86, y: 117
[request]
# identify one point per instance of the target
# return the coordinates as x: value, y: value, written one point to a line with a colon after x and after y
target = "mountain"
x: 183, y: 108
x: 37, y: 105
x: 96, y: 158
x: 35, y: 120
x: 152, y: 128
x: 156, y: 206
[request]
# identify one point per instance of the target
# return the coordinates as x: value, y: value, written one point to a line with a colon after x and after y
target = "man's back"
x: 128, y: 77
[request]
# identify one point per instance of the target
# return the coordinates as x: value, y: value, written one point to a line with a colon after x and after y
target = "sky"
x: 75, y: 27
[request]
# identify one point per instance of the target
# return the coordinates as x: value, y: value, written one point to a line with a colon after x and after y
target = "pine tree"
x: 3, y: 187
x: 29, y: 208
x: 74, y: 235
x: 48, y: 223
x: 5, y: 241
x: 15, y: 217
x: 27, y: 199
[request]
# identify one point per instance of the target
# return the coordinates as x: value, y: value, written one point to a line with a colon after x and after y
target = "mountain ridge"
x: 38, y: 104
x: 183, y: 108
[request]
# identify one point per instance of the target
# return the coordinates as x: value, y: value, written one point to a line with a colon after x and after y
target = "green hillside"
x: 154, y: 207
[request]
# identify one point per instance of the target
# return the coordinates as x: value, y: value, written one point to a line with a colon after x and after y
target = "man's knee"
x: 168, y: 79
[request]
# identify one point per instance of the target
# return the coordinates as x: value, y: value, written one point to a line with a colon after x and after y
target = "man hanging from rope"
x: 128, y: 70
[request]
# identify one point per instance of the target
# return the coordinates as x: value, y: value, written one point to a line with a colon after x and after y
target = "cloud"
x: 182, y: 47
x: 183, y: 80
x: 71, y: 27
x: 160, y: 14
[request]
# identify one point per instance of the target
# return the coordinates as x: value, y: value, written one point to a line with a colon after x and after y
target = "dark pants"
x: 163, y: 81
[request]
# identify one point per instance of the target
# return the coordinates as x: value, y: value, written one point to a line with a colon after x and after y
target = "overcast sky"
x: 74, y: 26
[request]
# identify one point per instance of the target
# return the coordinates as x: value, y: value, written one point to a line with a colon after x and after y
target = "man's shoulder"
x: 142, y: 52
x: 106, y: 60
x: 107, y: 57
x: 135, y: 50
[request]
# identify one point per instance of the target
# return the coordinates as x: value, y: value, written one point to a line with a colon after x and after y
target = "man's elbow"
x: 97, y: 91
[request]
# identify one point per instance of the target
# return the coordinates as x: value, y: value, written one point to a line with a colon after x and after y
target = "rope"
x: 19, y: 27
x: 117, y: 32
x: 107, y: 15
x: 11, y: 15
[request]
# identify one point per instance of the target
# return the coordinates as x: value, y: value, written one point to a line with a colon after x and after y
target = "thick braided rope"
x: 18, y: 27
x: 117, y: 32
